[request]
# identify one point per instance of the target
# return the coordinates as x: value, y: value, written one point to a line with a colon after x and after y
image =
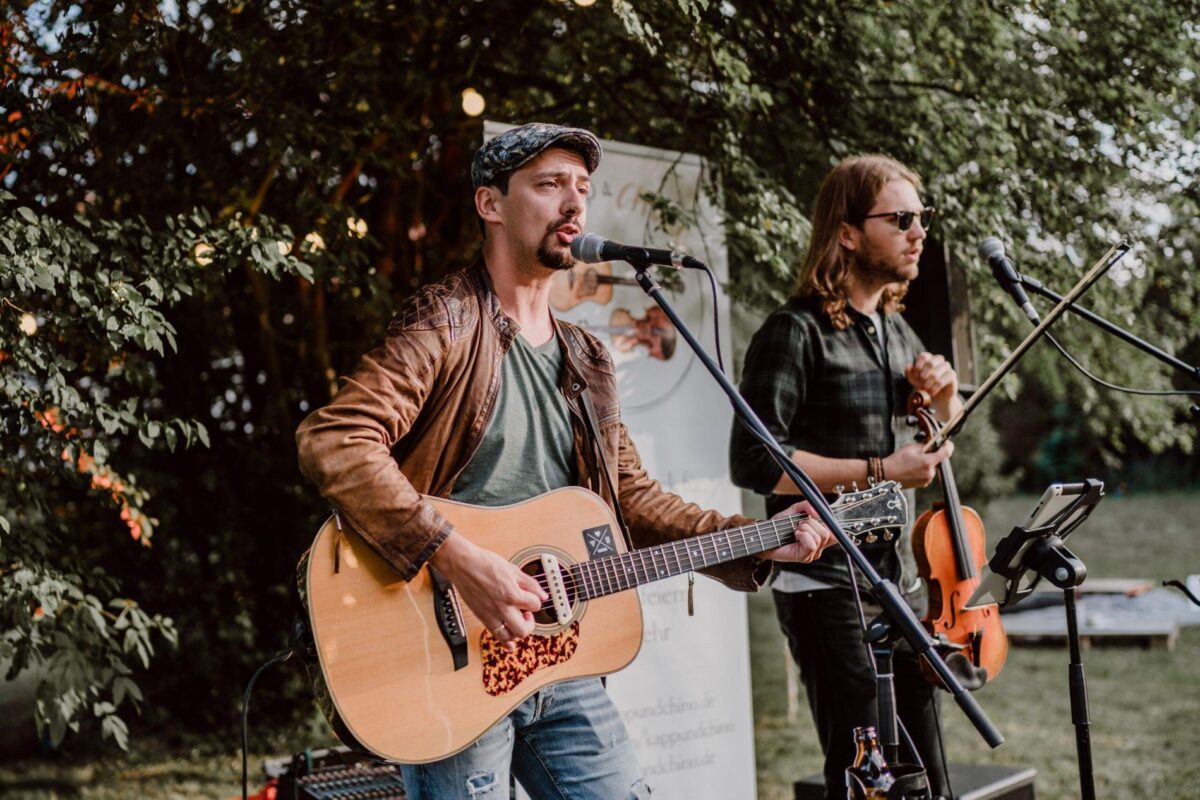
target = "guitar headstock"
x: 880, y: 507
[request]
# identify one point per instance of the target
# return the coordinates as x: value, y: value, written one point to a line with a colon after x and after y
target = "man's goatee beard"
x: 554, y: 259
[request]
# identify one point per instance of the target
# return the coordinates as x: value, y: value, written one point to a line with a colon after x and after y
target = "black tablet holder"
x: 1022, y: 559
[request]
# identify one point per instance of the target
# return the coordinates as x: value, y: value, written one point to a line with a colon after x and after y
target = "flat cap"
x: 517, y: 146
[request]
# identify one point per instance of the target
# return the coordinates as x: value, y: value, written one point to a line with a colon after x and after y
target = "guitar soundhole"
x: 546, y: 615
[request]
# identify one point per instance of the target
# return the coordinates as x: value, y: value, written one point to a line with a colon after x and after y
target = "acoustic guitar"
x: 415, y: 677
x: 583, y: 282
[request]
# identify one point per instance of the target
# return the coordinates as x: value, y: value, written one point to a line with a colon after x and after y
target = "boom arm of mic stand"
x: 885, y: 592
x: 1115, y: 254
x: 1035, y: 285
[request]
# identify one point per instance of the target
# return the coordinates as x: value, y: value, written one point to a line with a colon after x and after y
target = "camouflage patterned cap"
x: 517, y: 146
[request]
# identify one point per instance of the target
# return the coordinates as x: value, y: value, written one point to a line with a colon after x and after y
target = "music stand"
x: 1036, y: 551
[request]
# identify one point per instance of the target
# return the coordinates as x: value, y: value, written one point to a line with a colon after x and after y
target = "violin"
x: 654, y: 331
x: 949, y: 546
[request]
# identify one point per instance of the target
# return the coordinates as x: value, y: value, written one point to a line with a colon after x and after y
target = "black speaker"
x: 938, y: 309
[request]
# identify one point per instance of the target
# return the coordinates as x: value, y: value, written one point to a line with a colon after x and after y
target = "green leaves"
x: 1047, y: 126
x: 113, y: 727
x: 79, y: 648
x: 85, y: 307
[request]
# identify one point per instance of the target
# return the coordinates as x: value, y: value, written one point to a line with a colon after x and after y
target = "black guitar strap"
x: 589, y: 418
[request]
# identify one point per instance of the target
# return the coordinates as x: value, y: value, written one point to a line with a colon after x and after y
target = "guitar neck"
x: 614, y: 280
x: 603, y: 576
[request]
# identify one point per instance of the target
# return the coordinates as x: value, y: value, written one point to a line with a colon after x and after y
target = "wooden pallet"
x: 1130, y: 587
x: 1148, y: 635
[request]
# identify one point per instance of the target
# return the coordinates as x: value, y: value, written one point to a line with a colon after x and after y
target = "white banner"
x: 686, y: 698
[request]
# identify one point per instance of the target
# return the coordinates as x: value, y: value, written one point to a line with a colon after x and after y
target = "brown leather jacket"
x: 414, y: 412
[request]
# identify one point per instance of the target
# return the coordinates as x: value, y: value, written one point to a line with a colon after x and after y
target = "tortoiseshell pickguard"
x: 504, y: 671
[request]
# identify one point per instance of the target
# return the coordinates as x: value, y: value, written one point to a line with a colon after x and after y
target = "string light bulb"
x: 472, y: 103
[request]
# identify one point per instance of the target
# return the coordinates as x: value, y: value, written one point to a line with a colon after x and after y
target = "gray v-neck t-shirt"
x: 529, y: 445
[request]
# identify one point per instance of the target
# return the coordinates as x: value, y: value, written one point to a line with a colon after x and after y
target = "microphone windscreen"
x: 586, y: 248
x: 989, y: 247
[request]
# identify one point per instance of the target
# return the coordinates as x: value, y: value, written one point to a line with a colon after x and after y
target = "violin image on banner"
x: 948, y: 543
x: 654, y: 331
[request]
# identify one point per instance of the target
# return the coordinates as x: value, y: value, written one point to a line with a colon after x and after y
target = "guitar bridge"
x: 449, y: 618
x: 556, y: 588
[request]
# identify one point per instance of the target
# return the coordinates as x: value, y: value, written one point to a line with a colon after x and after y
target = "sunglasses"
x: 904, y: 219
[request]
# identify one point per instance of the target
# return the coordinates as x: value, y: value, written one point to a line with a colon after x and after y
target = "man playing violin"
x: 480, y: 395
x: 829, y: 374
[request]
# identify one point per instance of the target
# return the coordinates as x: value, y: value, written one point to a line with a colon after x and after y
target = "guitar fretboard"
x: 602, y: 576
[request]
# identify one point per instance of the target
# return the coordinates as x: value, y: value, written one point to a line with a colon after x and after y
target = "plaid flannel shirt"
x: 834, y: 393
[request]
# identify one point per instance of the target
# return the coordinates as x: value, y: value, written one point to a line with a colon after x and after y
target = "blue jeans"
x: 567, y: 742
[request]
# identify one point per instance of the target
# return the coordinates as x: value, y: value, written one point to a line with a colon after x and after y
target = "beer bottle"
x: 870, y: 770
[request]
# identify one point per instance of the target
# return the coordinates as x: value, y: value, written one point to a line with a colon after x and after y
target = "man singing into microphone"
x: 480, y: 395
x: 829, y: 373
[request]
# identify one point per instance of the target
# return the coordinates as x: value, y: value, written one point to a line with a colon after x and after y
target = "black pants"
x: 823, y: 633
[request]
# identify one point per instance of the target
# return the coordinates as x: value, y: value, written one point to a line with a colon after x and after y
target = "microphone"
x: 991, y: 250
x: 591, y: 248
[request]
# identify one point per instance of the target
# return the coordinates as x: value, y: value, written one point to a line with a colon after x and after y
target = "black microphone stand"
x: 1191, y: 371
x: 887, y: 595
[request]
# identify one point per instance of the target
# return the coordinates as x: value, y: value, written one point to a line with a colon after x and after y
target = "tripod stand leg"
x: 1079, y: 702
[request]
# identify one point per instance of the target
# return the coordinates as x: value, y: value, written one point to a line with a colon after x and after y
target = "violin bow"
x: 1115, y: 254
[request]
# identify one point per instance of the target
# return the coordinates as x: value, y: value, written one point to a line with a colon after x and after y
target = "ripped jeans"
x: 567, y: 742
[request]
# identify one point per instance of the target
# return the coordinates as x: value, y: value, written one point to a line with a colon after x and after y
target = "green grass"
x: 1144, y: 703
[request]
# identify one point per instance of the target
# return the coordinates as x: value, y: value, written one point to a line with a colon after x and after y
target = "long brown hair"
x: 846, y: 195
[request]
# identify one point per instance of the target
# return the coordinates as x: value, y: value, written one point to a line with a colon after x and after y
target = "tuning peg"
x: 854, y: 486
x: 839, y: 488
x: 871, y: 538
x: 888, y: 536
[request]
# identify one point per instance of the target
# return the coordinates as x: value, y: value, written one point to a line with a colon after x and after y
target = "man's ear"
x: 849, y: 236
x: 487, y: 202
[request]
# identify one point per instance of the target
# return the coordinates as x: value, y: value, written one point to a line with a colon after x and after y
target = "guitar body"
x: 415, y: 677
x: 387, y: 663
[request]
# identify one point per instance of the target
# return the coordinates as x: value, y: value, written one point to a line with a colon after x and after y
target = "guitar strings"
x: 573, y: 576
